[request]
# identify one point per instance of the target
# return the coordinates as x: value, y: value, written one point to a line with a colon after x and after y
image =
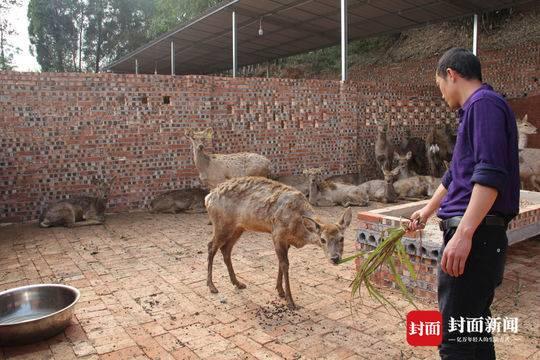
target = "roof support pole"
x: 344, y: 39
x: 234, y: 44
x: 475, y: 34
x: 172, y: 58
x: 136, y: 67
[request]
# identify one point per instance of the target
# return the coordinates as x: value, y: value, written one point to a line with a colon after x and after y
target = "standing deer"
x: 382, y: 190
x: 328, y: 193
x: 525, y: 128
x: 384, y: 150
x: 81, y: 210
x: 529, y: 158
x: 264, y: 205
x: 216, y: 168
x: 439, y: 148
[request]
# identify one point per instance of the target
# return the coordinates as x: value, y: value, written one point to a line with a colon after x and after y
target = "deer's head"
x: 314, y: 175
x: 525, y: 127
x: 199, y: 138
x: 329, y: 237
x: 103, y: 187
x: 390, y: 175
x: 403, y: 160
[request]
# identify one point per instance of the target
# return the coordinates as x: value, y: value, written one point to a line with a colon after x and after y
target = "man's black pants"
x: 471, y: 294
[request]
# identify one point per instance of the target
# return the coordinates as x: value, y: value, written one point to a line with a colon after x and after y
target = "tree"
x: 170, y: 13
x: 54, y: 34
x: 7, y: 49
x: 115, y: 27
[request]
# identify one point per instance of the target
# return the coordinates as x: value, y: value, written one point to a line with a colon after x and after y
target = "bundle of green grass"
x: 387, y: 252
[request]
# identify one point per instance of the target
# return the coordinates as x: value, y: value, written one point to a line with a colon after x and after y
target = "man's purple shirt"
x: 486, y: 152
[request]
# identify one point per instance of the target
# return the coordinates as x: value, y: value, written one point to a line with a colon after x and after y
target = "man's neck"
x: 468, y: 88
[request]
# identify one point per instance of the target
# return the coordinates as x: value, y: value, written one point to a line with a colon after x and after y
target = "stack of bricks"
x: 423, y: 256
x: 423, y: 246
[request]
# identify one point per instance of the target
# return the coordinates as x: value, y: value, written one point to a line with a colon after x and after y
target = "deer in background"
x: 382, y: 190
x: 416, y: 186
x: 384, y: 150
x: 80, y: 210
x: 328, y: 193
x: 404, y: 162
x: 525, y: 128
x: 439, y: 148
x: 264, y: 205
x: 417, y: 161
x: 529, y: 158
x: 216, y: 168
x: 188, y: 200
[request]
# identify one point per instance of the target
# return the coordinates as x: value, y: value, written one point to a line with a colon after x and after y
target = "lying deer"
x: 216, y: 168
x: 417, y: 147
x: 81, y: 210
x: 416, y: 186
x: 382, y: 190
x: 404, y: 164
x: 264, y: 205
x: 328, y: 193
x: 188, y: 200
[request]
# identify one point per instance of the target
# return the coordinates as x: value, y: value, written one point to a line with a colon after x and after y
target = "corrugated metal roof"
x: 204, y: 45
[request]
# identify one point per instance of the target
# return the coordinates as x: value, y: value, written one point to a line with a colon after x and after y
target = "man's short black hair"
x: 462, y: 61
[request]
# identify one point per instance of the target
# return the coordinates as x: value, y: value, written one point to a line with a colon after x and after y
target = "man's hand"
x: 456, y: 253
x: 419, y: 218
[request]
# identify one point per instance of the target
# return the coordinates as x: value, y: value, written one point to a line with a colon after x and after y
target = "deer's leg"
x: 282, y: 251
x: 279, y: 285
x: 226, y: 250
x: 212, y: 249
x: 218, y: 240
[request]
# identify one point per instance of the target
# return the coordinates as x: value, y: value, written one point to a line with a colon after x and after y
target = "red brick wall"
x: 60, y: 130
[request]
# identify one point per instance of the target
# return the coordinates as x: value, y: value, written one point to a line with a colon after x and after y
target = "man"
x: 478, y: 196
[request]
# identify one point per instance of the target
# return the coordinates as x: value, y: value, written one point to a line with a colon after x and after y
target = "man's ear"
x: 311, y: 225
x: 346, y: 218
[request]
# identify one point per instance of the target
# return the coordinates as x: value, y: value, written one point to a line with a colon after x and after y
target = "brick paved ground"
x: 144, y: 295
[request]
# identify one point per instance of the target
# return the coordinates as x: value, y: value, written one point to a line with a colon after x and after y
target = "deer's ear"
x: 346, y: 218
x: 525, y: 118
x: 188, y: 133
x: 396, y: 171
x: 311, y: 225
x: 409, y: 155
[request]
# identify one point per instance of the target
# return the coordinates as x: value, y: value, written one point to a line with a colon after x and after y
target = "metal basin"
x: 35, y: 312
